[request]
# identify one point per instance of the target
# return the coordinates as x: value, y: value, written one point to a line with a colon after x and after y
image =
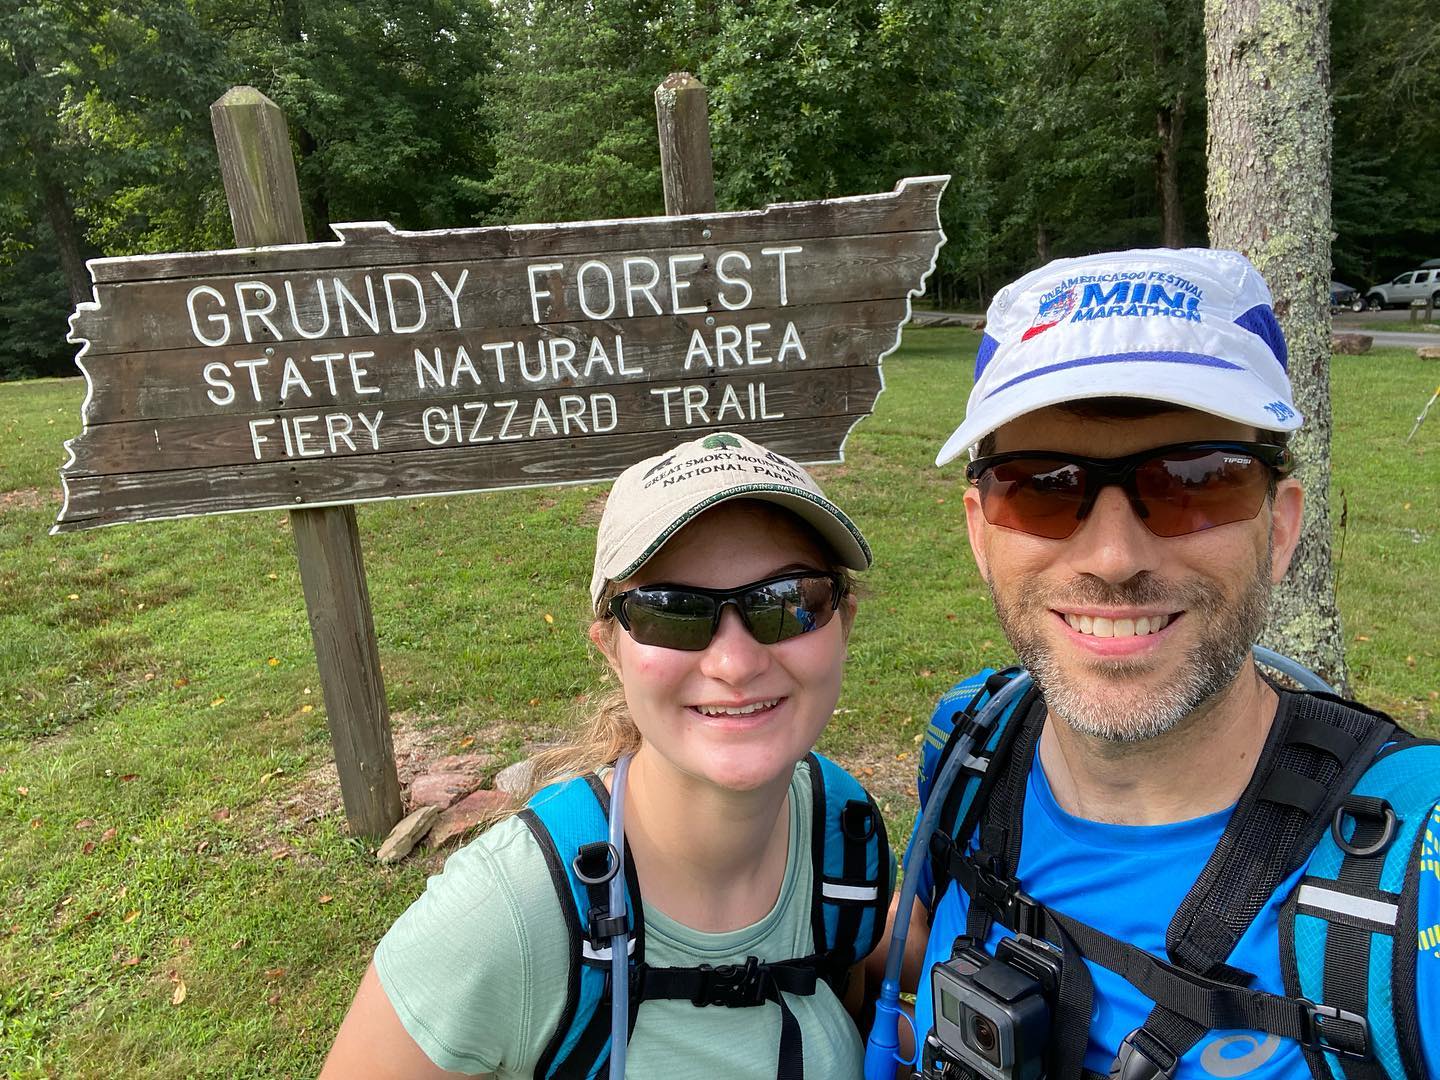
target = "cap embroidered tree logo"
x: 721, y: 442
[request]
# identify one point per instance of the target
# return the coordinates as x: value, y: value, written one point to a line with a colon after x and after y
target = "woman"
x: 720, y: 570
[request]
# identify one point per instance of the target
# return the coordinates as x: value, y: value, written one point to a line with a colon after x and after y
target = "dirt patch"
x: 28, y: 499
x: 593, y: 509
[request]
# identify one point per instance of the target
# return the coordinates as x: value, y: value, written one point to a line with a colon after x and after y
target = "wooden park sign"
x: 392, y: 364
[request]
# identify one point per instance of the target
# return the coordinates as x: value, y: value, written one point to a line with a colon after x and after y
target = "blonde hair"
x: 606, y: 730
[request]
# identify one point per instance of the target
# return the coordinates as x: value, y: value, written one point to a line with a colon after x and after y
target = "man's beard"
x: 1226, y: 631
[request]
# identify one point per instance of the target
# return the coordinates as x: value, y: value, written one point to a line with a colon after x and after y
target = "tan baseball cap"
x: 653, y: 499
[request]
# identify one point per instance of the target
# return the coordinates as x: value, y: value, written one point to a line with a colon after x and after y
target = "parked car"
x: 1423, y: 284
x: 1341, y: 295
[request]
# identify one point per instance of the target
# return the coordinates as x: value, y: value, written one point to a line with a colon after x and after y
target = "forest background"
x: 1070, y: 125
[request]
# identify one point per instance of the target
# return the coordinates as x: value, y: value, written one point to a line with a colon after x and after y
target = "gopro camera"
x: 993, y: 1013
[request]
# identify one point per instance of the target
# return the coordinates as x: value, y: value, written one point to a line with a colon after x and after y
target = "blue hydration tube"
x: 620, y: 943
x: 1283, y: 664
x: 882, y: 1047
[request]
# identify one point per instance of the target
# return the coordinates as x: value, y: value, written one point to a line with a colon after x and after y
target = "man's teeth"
x: 1100, y: 626
x: 743, y: 710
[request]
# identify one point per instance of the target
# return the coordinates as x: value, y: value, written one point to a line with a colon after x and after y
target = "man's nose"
x: 1112, y: 543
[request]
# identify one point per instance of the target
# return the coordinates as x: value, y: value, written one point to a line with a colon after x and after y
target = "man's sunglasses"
x: 686, y: 616
x: 1174, y: 490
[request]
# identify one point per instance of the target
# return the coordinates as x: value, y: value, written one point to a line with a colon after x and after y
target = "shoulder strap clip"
x: 1143, y: 1056
x: 1336, y: 1031
x: 1002, y: 897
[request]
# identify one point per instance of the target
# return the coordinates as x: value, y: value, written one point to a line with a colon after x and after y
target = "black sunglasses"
x: 1174, y: 490
x: 686, y: 616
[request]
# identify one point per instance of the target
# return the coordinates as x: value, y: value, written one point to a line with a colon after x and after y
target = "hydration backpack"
x: 853, y: 876
x: 1338, y: 789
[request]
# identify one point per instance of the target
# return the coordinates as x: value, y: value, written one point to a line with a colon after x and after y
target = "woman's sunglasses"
x: 1174, y: 490
x: 686, y: 617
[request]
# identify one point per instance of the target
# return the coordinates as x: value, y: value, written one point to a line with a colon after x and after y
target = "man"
x: 1157, y: 806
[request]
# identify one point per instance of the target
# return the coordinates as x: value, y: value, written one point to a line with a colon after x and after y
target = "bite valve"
x: 882, y: 1048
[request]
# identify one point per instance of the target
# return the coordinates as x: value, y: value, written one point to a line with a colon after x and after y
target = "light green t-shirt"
x: 477, y: 970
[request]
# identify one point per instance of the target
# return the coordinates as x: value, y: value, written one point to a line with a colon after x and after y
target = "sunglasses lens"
x: 1188, y: 492
x: 670, y: 618
x: 1039, y: 496
x: 787, y: 608
x: 674, y: 617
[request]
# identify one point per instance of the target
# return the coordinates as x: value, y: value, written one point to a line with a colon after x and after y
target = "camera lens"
x: 984, y: 1037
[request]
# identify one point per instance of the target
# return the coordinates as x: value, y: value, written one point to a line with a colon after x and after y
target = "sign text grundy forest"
x: 396, y: 364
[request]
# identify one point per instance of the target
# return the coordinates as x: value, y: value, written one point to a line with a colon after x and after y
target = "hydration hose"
x: 619, y: 944
x: 1283, y: 664
x: 883, y: 1045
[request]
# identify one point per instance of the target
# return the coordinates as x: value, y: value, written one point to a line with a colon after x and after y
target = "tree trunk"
x: 1042, y: 243
x: 1170, y: 125
x: 1268, y: 195
x: 61, y: 216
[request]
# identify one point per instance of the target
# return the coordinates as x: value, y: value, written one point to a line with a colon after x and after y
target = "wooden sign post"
x: 264, y: 195
x: 391, y: 364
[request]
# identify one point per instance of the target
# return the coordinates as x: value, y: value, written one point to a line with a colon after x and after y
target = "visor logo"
x: 1054, y: 306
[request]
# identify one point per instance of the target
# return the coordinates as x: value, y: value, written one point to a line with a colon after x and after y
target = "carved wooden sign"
x: 390, y: 364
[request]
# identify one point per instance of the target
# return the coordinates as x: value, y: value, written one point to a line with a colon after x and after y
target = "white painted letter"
x: 677, y: 286
x: 223, y: 320
x: 222, y: 382
x: 780, y: 253
x: 390, y: 303
x: 742, y: 282
x: 535, y: 293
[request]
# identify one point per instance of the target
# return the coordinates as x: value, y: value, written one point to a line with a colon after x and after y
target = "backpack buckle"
x: 733, y: 986
x: 1142, y: 1056
x: 1336, y: 1031
x: 1003, y: 898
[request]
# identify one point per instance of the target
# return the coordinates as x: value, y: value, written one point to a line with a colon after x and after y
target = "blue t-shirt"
x: 1128, y: 881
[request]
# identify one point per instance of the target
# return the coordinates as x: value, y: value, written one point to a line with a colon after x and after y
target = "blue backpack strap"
x: 853, y: 866
x: 958, y: 818
x: 1348, y: 931
x: 569, y: 821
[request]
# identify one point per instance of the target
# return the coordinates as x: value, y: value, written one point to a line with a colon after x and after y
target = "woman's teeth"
x: 1100, y: 626
x: 741, y: 710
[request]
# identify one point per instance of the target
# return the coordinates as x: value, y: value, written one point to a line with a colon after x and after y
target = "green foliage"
x: 571, y: 101
x: 1386, y: 58
x: 383, y: 98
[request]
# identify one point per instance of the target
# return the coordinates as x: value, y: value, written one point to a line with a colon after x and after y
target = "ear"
x: 977, y: 527
x: 1287, y: 517
x: 602, y: 636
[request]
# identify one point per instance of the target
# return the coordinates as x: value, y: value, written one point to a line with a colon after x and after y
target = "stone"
x: 1351, y: 344
x: 1429, y: 352
x: 466, y: 814
x: 407, y: 834
x: 440, y: 789
x: 515, y: 779
x: 466, y: 763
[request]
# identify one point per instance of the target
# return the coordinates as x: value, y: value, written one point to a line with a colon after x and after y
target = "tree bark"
x: 1268, y: 195
x: 1170, y: 125
x: 61, y: 215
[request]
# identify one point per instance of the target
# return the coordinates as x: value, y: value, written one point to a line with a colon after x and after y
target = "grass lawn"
x: 178, y: 897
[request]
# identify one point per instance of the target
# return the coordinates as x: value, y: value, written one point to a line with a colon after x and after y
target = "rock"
x: 440, y: 789
x: 514, y: 780
x: 466, y: 814
x: 1351, y: 344
x: 466, y: 763
x: 407, y: 834
x: 1429, y: 352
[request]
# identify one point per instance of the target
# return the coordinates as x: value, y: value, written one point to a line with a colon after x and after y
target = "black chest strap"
x: 740, y: 986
